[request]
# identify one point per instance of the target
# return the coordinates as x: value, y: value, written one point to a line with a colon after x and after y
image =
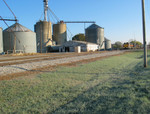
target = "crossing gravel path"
x: 9, y: 69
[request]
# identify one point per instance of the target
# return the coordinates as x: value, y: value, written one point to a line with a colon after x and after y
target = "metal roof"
x: 17, y: 28
x: 106, y: 39
x: 93, y: 26
x: 75, y: 42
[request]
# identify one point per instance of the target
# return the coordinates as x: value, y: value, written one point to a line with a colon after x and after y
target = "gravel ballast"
x: 9, y: 69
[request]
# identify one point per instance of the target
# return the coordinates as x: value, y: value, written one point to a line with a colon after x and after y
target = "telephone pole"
x: 144, y: 33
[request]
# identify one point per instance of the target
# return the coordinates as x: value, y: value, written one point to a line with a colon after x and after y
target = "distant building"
x: 70, y: 46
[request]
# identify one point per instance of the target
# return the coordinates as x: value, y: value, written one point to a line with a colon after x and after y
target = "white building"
x: 85, y: 46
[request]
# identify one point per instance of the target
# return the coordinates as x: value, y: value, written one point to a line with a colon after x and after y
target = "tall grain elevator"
x: 60, y: 33
x: 95, y: 34
x: 43, y: 31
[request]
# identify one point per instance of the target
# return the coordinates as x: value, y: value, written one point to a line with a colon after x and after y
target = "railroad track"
x: 12, y: 60
x: 30, y: 65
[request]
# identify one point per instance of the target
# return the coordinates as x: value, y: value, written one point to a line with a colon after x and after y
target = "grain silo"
x: 107, y: 44
x: 95, y: 34
x: 19, y: 38
x: 43, y: 31
x: 60, y: 33
x: 1, y: 40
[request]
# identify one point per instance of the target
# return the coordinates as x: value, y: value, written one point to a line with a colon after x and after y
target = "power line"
x: 54, y: 15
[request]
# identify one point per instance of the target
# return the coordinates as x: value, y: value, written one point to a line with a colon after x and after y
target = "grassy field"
x: 117, y: 84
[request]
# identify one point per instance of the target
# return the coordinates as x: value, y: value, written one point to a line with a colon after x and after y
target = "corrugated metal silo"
x: 25, y: 39
x: 43, y: 31
x: 108, y: 44
x: 95, y: 34
x: 60, y: 33
x: 1, y: 40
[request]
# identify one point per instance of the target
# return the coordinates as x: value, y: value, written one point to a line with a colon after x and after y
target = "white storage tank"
x: 60, y: 33
x: 78, y: 49
x: 95, y: 34
x: 43, y: 31
x: 1, y: 40
x: 25, y: 39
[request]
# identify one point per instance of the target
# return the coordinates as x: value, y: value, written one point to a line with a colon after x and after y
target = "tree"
x: 79, y: 37
x: 137, y: 44
x: 117, y: 45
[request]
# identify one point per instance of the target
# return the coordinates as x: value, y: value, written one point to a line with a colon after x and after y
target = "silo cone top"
x: 106, y: 39
x: 17, y: 28
x: 94, y: 26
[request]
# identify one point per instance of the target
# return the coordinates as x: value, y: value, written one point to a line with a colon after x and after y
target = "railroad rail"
x: 13, y: 60
x: 21, y: 65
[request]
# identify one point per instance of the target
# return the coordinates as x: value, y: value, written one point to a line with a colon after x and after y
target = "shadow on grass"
x: 143, y: 56
x: 18, y: 68
x: 122, y: 96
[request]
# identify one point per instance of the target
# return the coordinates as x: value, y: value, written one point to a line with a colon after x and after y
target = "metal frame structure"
x: 79, y: 22
x: 9, y: 20
x: 45, y: 9
x: 8, y: 25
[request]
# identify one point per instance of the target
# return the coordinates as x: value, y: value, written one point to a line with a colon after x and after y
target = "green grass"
x: 117, y: 84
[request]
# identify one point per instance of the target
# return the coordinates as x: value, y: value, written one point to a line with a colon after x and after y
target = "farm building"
x: 71, y: 45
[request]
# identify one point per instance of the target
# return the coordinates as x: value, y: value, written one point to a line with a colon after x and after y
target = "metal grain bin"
x: 1, y: 40
x: 95, y: 34
x: 43, y: 31
x: 60, y: 33
x: 25, y: 39
x: 108, y: 44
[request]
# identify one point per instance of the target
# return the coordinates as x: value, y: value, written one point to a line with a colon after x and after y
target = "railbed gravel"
x: 9, y: 69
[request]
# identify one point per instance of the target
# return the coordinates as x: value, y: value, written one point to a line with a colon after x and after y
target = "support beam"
x: 79, y: 22
x: 9, y: 20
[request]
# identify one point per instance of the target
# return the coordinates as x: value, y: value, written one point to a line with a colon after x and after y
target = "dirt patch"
x: 50, y: 68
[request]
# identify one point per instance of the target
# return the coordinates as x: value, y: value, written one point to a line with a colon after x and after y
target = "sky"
x: 121, y: 19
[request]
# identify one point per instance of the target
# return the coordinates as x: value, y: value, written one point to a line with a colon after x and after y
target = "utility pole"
x: 144, y: 33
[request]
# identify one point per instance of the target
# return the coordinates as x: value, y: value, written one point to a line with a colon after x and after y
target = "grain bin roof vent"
x: 94, y: 26
x: 17, y: 28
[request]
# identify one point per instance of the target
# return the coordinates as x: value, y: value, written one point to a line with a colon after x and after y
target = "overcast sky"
x: 121, y: 19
